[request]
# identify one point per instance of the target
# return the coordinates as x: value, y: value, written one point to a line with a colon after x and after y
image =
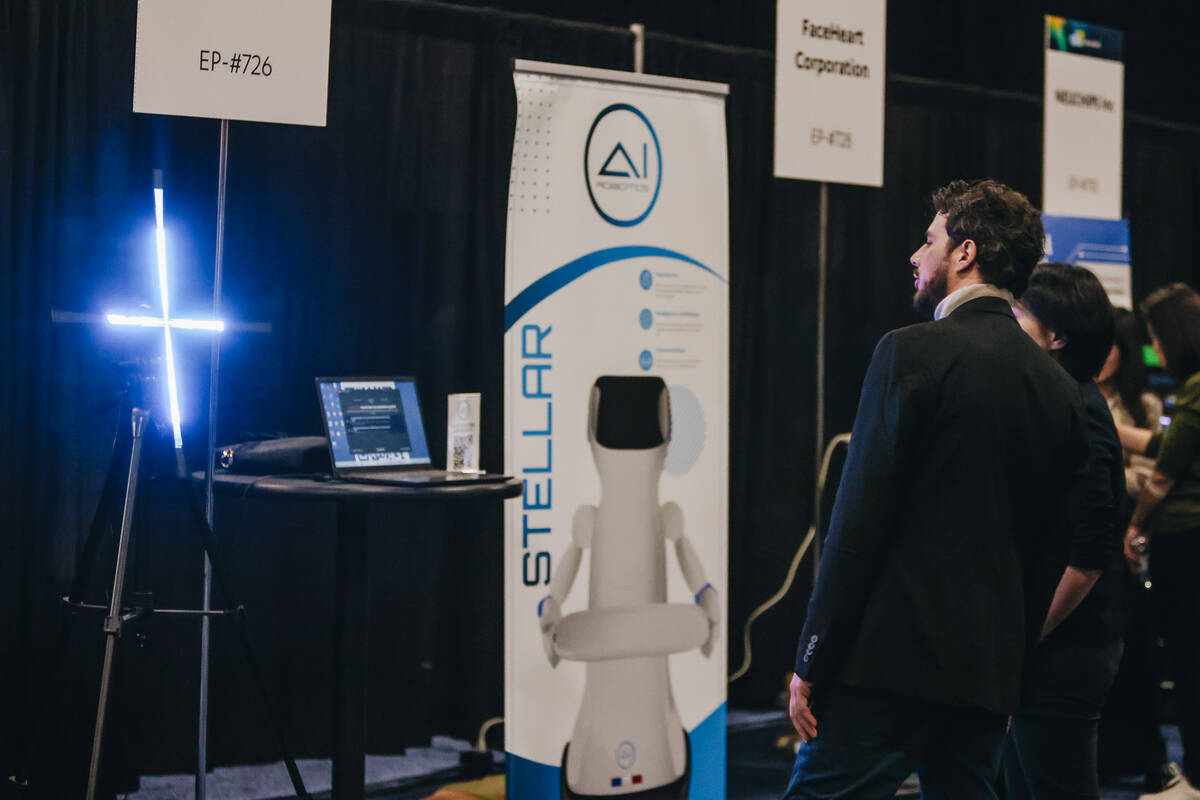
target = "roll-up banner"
x: 829, y: 81
x: 616, y: 418
x: 1101, y: 245
x: 1084, y: 119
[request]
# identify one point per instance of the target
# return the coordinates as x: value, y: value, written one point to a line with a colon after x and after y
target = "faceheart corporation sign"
x: 829, y: 82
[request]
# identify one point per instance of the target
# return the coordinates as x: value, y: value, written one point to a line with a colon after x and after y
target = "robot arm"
x: 550, y: 607
x: 693, y: 572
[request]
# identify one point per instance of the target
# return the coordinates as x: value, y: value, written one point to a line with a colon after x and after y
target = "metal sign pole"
x: 639, y: 46
x: 214, y: 373
x: 822, y: 272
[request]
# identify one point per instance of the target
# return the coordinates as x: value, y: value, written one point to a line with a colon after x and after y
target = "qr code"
x: 462, y: 455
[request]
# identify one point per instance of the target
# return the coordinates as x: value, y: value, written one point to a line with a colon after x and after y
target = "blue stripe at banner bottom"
x: 531, y: 780
x: 708, y: 757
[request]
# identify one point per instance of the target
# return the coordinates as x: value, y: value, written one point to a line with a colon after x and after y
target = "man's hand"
x: 802, y: 716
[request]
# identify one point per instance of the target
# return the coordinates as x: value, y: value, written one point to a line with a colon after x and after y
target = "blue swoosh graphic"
x: 552, y: 281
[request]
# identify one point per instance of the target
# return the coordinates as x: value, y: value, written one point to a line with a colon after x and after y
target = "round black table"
x: 350, y: 634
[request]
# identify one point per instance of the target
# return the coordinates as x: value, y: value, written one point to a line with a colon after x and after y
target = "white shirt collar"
x: 969, y: 292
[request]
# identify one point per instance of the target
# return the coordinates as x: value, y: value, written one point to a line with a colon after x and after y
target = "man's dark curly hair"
x: 1006, y: 229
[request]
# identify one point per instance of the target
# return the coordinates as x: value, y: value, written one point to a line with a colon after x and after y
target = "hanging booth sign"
x: 255, y: 60
x: 616, y: 418
x: 829, y: 81
x: 1101, y: 245
x: 1084, y: 119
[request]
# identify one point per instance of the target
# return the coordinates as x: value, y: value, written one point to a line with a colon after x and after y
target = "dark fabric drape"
x: 375, y: 245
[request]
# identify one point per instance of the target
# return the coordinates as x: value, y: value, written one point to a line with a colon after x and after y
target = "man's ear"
x: 964, y: 256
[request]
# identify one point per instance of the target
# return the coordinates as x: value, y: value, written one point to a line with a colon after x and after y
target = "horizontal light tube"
x: 198, y: 324
x: 157, y: 322
x: 123, y: 319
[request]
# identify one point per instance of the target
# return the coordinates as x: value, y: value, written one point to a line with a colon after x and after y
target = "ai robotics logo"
x: 622, y: 164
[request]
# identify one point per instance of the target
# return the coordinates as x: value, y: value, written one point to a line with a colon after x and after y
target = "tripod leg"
x: 219, y: 578
x: 112, y: 623
x: 84, y: 565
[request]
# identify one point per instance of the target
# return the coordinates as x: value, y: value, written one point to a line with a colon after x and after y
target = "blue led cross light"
x: 165, y: 322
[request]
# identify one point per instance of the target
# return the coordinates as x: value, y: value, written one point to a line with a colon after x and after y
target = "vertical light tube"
x: 172, y: 392
x: 160, y: 242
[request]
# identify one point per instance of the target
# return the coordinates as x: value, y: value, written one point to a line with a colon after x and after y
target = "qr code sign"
x: 460, y: 454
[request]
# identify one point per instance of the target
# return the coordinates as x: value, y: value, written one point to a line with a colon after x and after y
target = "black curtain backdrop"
x: 376, y: 245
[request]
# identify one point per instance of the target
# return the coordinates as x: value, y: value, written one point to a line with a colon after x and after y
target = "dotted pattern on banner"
x: 529, y: 184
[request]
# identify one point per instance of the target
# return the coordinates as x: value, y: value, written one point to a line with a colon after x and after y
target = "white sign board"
x: 1084, y: 115
x: 254, y: 60
x: 616, y: 419
x: 829, y: 79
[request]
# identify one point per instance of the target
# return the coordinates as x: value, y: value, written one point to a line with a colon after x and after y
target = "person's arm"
x: 1156, y: 488
x: 881, y: 445
x: 1176, y: 450
x: 1134, y: 440
x: 1093, y: 514
x: 1073, y: 587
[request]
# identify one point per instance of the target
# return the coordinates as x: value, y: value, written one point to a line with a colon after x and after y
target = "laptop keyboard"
x: 401, y: 474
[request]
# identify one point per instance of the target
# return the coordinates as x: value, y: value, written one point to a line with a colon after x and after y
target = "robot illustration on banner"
x: 628, y: 739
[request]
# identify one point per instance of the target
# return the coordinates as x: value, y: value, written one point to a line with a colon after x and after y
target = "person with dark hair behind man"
x: 1168, y: 512
x: 1050, y: 751
x: 1123, y: 380
x: 1130, y: 741
x: 945, y: 541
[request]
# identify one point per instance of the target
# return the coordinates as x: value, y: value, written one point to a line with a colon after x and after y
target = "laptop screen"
x: 373, y: 422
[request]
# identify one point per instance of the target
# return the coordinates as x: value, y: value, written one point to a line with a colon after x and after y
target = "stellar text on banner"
x: 537, y: 472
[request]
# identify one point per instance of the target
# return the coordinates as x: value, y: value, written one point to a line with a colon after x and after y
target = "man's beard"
x: 927, y: 298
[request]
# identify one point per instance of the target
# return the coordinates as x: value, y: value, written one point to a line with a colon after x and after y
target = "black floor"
x: 758, y: 768
x: 759, y: 762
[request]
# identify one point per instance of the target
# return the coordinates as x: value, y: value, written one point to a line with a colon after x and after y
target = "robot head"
x: 629, y: 413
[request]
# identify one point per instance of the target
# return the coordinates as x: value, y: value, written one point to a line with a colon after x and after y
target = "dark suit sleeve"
x: 891, y: 408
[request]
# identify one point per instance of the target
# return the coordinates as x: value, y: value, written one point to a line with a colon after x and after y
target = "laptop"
x: 376, y: 434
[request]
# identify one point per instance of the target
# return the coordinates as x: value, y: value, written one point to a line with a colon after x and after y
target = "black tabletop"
x: 312, y: 487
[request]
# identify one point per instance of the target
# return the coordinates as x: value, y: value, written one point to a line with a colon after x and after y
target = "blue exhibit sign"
x: 1101, y: 245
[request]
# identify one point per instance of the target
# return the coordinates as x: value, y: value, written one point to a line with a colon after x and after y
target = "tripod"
x: 117, y: 615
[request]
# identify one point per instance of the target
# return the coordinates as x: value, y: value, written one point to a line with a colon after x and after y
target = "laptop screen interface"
x: 374, y: 423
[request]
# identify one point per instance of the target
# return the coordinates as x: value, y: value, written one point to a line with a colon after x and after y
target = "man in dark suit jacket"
x: 945, y: 542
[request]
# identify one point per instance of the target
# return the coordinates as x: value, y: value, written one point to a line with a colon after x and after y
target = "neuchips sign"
x: 1084, y: 108
x: 829, y: 78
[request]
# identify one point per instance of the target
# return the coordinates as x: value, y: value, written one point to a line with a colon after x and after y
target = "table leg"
x: 350, y: 652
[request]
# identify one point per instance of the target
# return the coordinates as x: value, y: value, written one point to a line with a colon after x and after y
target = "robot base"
x: 675, y: 790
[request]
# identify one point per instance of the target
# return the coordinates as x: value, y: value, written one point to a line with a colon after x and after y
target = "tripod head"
x: 145, y: 398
